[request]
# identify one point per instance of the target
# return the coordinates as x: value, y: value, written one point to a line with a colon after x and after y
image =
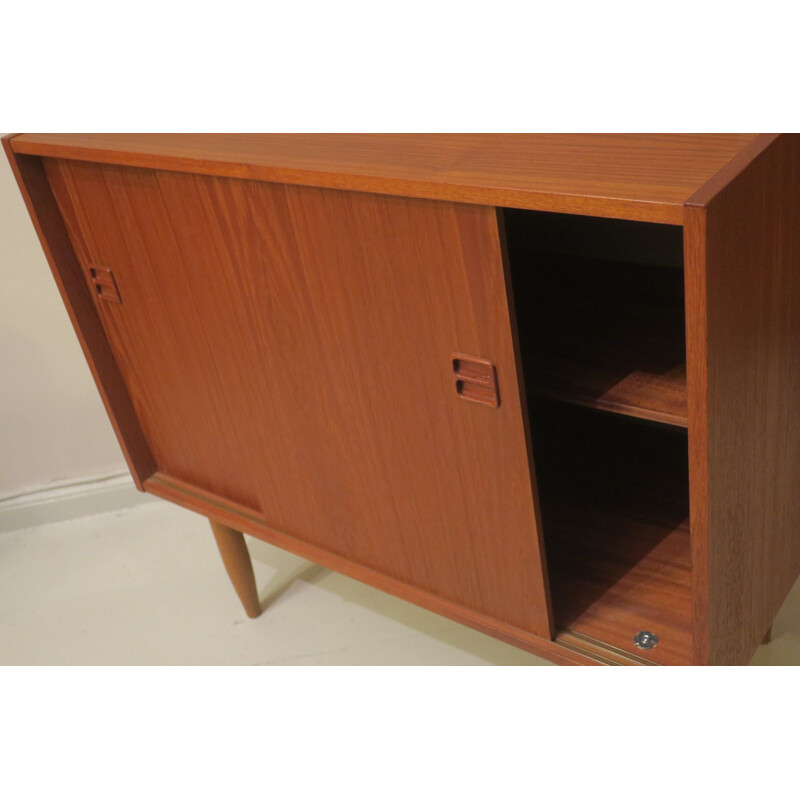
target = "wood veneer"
x: 601, y: 312
x: 630, y: 176
x: 615, y: 514
x: 569, y: 648
x: 743, y: 307
x: 290, y: 349
x: 71, y: 281
x: 284, y: 330
x: 607, y: 336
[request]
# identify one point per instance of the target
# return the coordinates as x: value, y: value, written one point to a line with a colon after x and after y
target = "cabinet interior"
x: 600, y: 316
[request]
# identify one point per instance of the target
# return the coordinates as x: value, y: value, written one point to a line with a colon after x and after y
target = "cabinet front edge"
x: 731, y: 170
x: 664, y: 212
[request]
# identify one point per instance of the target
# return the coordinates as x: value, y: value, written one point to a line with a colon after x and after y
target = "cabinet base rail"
x: 567, y: 648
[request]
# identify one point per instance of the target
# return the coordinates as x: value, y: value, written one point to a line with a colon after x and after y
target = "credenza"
x: 545, y: 385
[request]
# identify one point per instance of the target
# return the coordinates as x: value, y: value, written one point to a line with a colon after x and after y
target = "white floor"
x: 146, y: 586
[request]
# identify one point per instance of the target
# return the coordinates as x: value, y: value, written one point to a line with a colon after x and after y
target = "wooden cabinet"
x: 543, y: 385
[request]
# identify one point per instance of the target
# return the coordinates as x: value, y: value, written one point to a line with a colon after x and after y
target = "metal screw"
x: 645, y: 640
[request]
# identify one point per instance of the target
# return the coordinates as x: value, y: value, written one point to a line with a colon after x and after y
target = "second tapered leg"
x: 236, y: 559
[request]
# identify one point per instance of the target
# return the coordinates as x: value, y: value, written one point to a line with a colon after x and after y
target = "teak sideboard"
x: 545, y: 385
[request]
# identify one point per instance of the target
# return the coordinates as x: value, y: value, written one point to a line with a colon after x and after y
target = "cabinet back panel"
x: 290, y: 349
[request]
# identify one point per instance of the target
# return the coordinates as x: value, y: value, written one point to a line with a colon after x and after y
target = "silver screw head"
x: 645, y: 640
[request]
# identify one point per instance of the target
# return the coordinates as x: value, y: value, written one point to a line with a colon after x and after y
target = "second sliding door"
x: 340, y: 364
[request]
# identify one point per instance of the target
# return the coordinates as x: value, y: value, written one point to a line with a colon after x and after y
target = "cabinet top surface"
x: 630, y: 176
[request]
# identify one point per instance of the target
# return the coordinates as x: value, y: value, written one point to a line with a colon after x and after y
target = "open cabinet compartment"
x: 600, y: 306
x: 614, y: 496
x: 600, y: 315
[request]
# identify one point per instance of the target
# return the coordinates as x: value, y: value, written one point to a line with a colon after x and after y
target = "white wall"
x: 53, y: 426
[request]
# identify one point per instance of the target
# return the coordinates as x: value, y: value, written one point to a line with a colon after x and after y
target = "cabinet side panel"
x: 75, y: 292
x: 752, y: 280
x: 694, y: 234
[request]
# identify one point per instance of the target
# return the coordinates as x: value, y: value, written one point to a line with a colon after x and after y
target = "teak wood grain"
x: 630, y: 176
x: 71, y: 281
x: 289, y: 349
x: 743, y: 319
x: 278, y: 325
x: 569, y: 649
x: 608, y: 336
x: 615, y: 515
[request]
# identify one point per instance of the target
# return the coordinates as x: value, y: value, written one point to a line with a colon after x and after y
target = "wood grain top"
x: 628, y: 176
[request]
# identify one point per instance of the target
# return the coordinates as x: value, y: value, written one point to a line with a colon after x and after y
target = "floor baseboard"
x: 70, y: 500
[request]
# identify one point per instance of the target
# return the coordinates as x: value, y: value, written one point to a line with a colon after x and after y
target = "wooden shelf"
x: 615, y: 515
x: 606, y: 335
x: 612, y: 576
x: 646, y: 393
x: 600, y: 314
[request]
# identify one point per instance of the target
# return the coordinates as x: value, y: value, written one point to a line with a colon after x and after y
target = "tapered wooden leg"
x: 768, y: 637
x: 237, y: 562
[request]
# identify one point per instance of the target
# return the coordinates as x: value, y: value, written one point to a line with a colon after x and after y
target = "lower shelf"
x: 612, y: 577
x: 615, y: 515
